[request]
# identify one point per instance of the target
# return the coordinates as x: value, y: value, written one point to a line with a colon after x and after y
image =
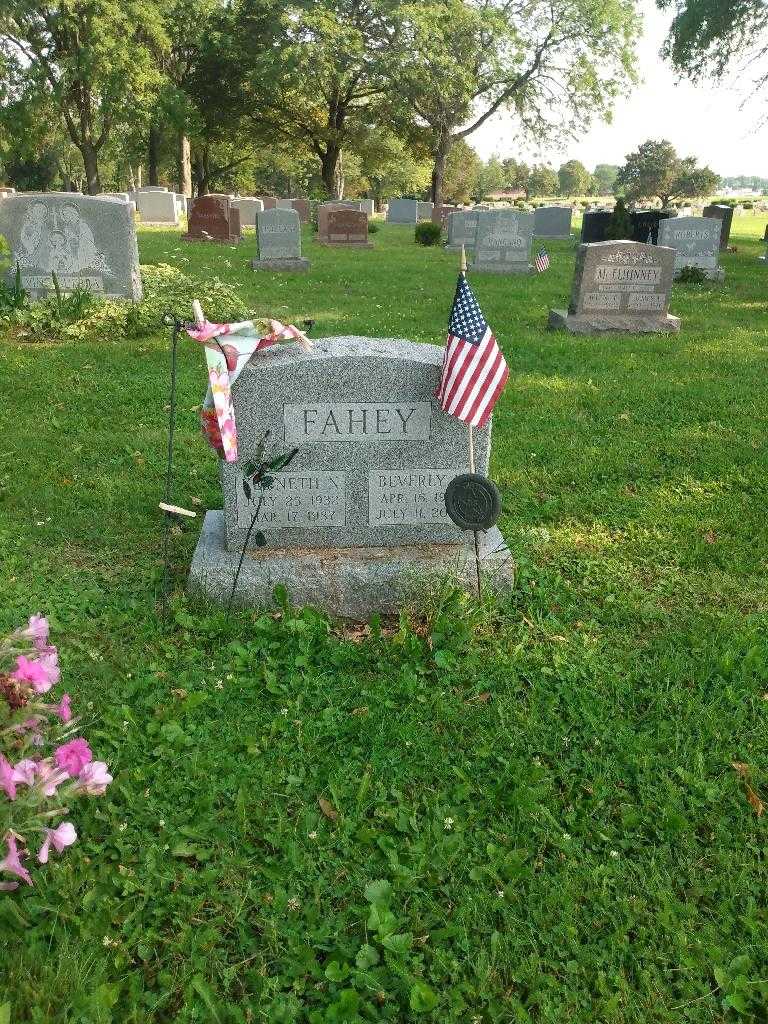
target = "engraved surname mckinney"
x: 369, y: 421
x: 638, y: 275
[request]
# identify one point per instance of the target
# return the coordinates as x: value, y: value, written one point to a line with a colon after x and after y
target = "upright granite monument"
x: 594, y: 225
x: 157, y: 206
x: 462, y: 226
x: 503, y: 242
x: 402, y: 211
x: 696, y: 241
x: 214, y: 219
x: 342, y: 227
x: 279, y: 238
x: 86, y: 242
x: 725, y: 214
x: 552, y: 221
x: 357, y: 521
x: 620, y: 286
x: 248, y: 206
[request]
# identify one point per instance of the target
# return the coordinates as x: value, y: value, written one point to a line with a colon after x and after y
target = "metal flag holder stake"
x: 472, y: 501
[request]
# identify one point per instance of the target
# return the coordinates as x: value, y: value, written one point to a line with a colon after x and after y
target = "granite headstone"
x: 248, y: 206
x: 594, y: 225
x: 552, y: 222
x: 157, y: 206
x: 212, y: 218
x: 696, y: 241
x: 462, y: 225
x: 645, y: 224
x: 503, y: 242
x: 402, y: 211
x: 86, y: 242
x: 725, y: 214
x: 278, y: 232
x: 620, y: 286
x: 341, y: 226
x: 358, y: 518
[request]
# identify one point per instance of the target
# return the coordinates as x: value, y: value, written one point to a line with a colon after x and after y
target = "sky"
x: 703, y: 120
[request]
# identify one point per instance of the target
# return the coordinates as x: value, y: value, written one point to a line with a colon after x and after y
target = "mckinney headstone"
x: 278, y: 232
x: 552, y: 222
x: 725, y: 214
x: 620, y: 286
x: 402, y: 211
x: 248, y: 206
x: 503, y: 242
x: 696, y: 241
x: 357, y: 522
x: 212, y: 218
x: 594, y: 225
x: 342, y: 227
x: 86, y: 242
x: 645, y: 224
x: 157, y: 206
x: 462, y: 225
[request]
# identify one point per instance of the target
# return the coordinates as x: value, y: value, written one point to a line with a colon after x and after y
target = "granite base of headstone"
x: 278, y: 233
x: 357, y: 524
x: 620, y: 286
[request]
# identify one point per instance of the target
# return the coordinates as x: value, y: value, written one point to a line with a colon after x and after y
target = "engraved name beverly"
x: 369, y: 421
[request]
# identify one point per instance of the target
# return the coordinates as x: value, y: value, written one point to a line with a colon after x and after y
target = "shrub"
x: 692, y: 275
x: 620, y: 224
x: 373, y: 226
x: 748, y: 206
x: 428, y: 233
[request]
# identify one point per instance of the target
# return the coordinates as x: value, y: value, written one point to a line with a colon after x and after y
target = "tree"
x: 516, y: 175
x: 462, y: 171
x: 93, y: 58
x: 490, y: 178
x: 574, y: 179
x: 390, y: 168
x: 707, y: 35
x: 542, y: 181
x: 655, y: 170
x: 620, y: 224
x: 604, y: 177
x: 553, y: 63
x: 329, y: 69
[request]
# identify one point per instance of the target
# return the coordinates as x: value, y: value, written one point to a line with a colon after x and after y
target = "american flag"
x: 542, y: 260
x: 474, y: 371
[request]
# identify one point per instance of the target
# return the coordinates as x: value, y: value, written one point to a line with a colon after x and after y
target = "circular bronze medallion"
x: 473, y: 502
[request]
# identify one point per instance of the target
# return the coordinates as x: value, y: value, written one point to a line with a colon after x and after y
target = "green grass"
x: 537, y: 817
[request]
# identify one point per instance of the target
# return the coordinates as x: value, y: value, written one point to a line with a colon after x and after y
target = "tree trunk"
x: 202, y: 170
x: 438, y: 170
x: 91, y: 166
x: 328, y: 164
x: 185, y: 166
x: 153, y: 145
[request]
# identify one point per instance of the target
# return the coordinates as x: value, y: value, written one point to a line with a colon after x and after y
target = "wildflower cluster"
x: 44, y: 765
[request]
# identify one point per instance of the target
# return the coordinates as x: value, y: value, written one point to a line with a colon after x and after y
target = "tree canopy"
x: 706, y: 36
x: 654, y: 170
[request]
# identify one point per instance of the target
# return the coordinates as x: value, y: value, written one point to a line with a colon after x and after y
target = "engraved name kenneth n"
x: 356, y: 421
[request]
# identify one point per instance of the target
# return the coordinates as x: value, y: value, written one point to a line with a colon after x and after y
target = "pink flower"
x: 93, y: 779
x: 12, y: 861
x: 72, y: 757
x: 25, y: 771
x: 41, y: 673
x: 29, y: 723
x: 60, y: 837
x: 50, y: 777
x: 37, y: 630
x: 64, y: 709
x: 8, y: 778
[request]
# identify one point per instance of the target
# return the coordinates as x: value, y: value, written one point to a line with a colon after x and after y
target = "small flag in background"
x: 474, y: 371
x: 650, y: 237
x: 542, y: 261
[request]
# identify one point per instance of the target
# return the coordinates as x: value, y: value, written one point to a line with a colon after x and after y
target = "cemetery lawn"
x: 526, y: 811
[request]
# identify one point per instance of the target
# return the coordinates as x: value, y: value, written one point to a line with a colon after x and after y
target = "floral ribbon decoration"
x: 225, y: 362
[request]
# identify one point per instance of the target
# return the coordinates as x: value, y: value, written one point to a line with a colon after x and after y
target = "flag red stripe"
x: 489, y: 400
x: 477, y: 394
x: 473, y: 382
x: 452, y: 350
x: 460, y: 368
x: 457, y: 387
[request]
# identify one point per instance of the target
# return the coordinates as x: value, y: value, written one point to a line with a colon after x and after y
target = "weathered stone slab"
x: 248, y: 206
x: 270, y: 202
x: 696, y: 241
x: 402, y: 211
x: 645, y: 224
x: 503, y: 242
x: 213, y: 219
x: 279, y: 239
x: 620, y: 286
x: 725, y: 214
x: 462, y: 227
x: 342, y: 226
x: 594, y: 225
x: 157, y: 206
x: 85, y: 241
x: 368, y: 206
x: 552, y: 222
x: 354, y: 407
x: 353, y: 583
x: 424, y: 211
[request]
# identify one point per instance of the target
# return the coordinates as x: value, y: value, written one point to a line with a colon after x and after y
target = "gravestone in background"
x: 157, y: 206
x: 646, y: 222
x: 7, y: 191
x: 552, y: 222
x: 594, y: 225
x: 620, y: 286
x: 345, y: 204
x: 86, y: 242
x: 212, y: 218
x: 301, y: 206
x: 357, y: 522
x: 696, y: 241
x: 441, y: 213
x: 424, y: 211
x: 503, y: 242
x: 341, y: 226
x: 248, y: 206
x: 462, y: 225
x: 368, y: 206
x: 725, y: 214
x: 278, y: 232
x: 269, y: 202
x: 402, y: 211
